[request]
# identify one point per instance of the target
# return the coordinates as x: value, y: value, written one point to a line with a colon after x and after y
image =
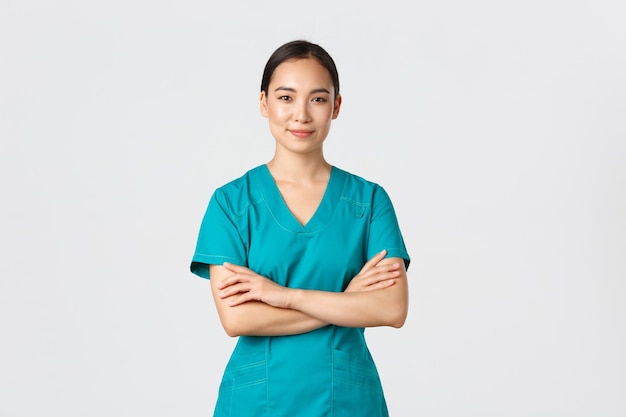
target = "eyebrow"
x: 293, y: 90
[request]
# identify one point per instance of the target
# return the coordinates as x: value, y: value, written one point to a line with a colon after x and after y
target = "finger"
x: 232, y: 280
x: 233, y: 289
x: 381, y: 269
x: 226, y: 282
x: 380, y: 285
x: 388, y: 267
x: 386, y: 283
x: 381, y: 277
x: 374, y: 260
x: 234, y: 267
x: 237, y: 300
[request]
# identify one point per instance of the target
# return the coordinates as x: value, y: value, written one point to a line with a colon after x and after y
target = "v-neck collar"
x: 283, y: 216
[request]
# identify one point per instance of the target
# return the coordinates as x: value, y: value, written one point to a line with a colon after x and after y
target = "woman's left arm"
x: 380, y: 307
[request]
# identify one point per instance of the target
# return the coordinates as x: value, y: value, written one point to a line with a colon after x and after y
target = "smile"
x: 301, y: 133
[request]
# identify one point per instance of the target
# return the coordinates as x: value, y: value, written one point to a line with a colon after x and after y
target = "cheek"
x: 324, y: 114
x: 277, y: 112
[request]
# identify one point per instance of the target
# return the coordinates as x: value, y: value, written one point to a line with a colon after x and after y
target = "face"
x: 300, y: 105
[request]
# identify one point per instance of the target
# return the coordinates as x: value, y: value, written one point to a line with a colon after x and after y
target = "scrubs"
x: 328, y: 372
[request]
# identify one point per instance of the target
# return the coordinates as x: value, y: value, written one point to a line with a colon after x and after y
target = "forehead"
x: 301, y: 71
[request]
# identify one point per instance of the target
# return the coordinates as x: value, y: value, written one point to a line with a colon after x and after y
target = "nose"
x: 301, y: 112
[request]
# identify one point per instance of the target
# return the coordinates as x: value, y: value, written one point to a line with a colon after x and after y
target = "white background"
x: 498, y: 128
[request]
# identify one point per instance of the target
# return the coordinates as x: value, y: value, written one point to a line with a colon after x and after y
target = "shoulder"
x: 238, y: 194
x: 360, y: 189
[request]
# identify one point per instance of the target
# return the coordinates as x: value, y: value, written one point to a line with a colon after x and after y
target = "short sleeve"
x: 219, y: 240
x: 384, y: 229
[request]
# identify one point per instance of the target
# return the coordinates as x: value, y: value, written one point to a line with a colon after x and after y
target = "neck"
x: 299, y: 169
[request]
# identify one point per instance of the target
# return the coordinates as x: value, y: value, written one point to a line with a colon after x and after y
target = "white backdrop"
x: 498, y: 129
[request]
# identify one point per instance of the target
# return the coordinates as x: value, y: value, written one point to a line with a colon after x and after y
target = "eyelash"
x: 316, y: 99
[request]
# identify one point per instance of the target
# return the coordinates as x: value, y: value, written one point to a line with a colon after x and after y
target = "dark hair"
x: 299, y: 49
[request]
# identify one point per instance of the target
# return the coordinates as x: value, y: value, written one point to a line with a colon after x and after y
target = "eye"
x: 284, y: 98
x: 320, y: 100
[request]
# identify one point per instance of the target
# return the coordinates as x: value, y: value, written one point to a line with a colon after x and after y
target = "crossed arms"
x: 252, y: 305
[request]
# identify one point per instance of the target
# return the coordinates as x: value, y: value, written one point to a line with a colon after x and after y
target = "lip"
x: 301, y: 133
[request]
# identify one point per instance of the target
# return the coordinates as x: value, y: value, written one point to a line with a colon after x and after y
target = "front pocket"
x: 243, y: 390
x: 357, y: 391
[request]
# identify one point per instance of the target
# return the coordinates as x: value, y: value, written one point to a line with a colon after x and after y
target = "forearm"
x: 386, y: 307
x: 256, y: 318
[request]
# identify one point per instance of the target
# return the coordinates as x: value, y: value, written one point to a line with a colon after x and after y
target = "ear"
x: 263, y: 104
x: 337, y: 106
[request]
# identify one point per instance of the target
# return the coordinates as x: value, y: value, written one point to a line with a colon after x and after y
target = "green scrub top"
x: 325, y: 372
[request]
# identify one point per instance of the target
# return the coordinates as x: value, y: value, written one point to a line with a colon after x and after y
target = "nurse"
x: 302, y: 256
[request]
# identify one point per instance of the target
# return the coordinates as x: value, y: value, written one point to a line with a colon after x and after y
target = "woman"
x: 302, y: 256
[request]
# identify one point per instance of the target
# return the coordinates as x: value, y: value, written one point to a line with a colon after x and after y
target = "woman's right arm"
x: 255, y: 318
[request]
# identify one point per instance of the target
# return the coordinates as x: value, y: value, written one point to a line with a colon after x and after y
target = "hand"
x: 373, y: 276
x: 246, y: 285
